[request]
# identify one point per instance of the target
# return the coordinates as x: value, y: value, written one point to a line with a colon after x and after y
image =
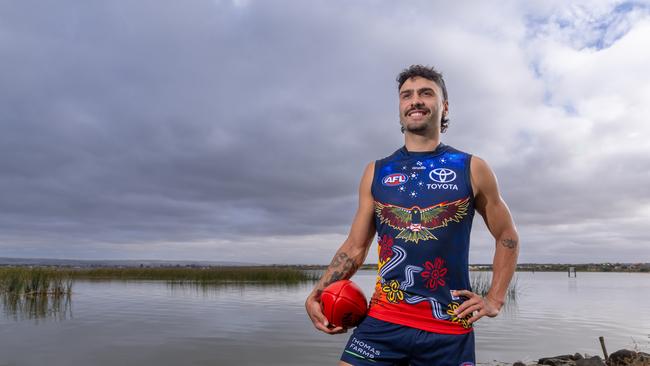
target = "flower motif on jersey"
x: 393, y: 292
x: 451, y: 310
x: 434, y: 273
x: 385, y: 248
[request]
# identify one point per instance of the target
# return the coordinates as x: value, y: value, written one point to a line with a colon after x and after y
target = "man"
x: 421, y: 200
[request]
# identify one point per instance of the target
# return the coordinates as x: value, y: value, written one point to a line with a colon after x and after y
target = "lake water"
x: 153, y: 323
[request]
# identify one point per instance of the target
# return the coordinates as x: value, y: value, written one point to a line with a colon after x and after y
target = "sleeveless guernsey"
x: 424, y: 206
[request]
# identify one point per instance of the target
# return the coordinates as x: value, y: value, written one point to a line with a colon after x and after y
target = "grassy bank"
x: 24, y: 280
x: 279, y: 275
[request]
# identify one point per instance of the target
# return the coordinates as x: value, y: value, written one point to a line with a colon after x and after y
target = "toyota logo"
x: 442, y: 175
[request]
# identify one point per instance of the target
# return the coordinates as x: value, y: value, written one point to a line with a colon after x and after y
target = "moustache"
x: 417, y: 108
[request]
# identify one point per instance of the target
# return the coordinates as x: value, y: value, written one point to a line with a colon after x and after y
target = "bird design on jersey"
x: 415, y: 222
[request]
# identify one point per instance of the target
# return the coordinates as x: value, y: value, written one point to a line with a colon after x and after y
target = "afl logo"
x: 442, y: 175
x: 394, y: 179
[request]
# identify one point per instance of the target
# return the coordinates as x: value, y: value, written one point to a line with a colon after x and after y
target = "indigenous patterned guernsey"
x: 424, y: 208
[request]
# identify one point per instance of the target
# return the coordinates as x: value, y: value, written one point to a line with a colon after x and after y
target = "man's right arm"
x: 350, y: 256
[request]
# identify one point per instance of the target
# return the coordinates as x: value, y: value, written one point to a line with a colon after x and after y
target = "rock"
x: 625, y: 357
x: 518, y: 363
x: 577, y: 357
x: 563, y: 360
x: 621, y: 357
x: 593, y: 361
x: 550, y: 361
x: 644, y: 358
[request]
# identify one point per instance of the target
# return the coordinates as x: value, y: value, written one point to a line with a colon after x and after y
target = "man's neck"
x: 420, y: 143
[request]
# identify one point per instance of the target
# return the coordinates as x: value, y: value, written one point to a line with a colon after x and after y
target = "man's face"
x: 421, y: 105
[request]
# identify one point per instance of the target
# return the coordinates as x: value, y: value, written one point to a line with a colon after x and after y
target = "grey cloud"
x: 130, y: 125
x: 193, y: 124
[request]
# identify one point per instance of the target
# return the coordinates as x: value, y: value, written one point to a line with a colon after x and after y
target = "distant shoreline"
x: 542, y: 267
x: 522, y: 267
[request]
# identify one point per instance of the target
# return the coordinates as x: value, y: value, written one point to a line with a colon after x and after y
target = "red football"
x: 344, y: 304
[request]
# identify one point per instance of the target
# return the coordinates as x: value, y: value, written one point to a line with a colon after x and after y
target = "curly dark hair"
x: 428, y: 73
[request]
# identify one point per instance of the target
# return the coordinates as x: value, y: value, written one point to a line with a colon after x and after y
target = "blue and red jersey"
x: 424, y: 206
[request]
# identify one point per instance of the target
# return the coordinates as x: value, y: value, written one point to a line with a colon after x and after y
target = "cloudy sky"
x: 238, y: 130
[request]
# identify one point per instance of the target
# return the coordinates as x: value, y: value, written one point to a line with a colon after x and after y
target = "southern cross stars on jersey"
x: 424, y: 208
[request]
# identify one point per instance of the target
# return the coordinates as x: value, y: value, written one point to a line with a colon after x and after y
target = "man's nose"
x: 416, y: 102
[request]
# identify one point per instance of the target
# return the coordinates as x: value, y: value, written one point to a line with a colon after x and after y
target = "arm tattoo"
x: 509, y: 243
x: 343, y: 267
x: 335, y: 277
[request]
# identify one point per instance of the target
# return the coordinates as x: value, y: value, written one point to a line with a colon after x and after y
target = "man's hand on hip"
x: 477, y: 305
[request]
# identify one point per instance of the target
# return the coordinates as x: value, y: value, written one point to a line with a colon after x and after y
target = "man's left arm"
x: 495, y: 212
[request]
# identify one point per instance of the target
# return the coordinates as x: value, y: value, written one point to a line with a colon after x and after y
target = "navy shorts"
x: 376, y: 342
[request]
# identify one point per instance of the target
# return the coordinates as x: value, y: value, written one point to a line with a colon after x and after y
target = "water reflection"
x: 573, y: 285
x: 159, y: 323
x: 40, y: 306
x: 216, y: 288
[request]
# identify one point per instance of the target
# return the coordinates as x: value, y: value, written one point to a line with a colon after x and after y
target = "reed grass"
x: 21, y: 281
x: 49, y: 280
x: 481, y: 282
x: 198, y: 275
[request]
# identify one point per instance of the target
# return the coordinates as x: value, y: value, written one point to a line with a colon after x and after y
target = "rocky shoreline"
x: 622, y: 357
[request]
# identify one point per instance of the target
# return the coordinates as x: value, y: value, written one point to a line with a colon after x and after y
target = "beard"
x: 419, y: 128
